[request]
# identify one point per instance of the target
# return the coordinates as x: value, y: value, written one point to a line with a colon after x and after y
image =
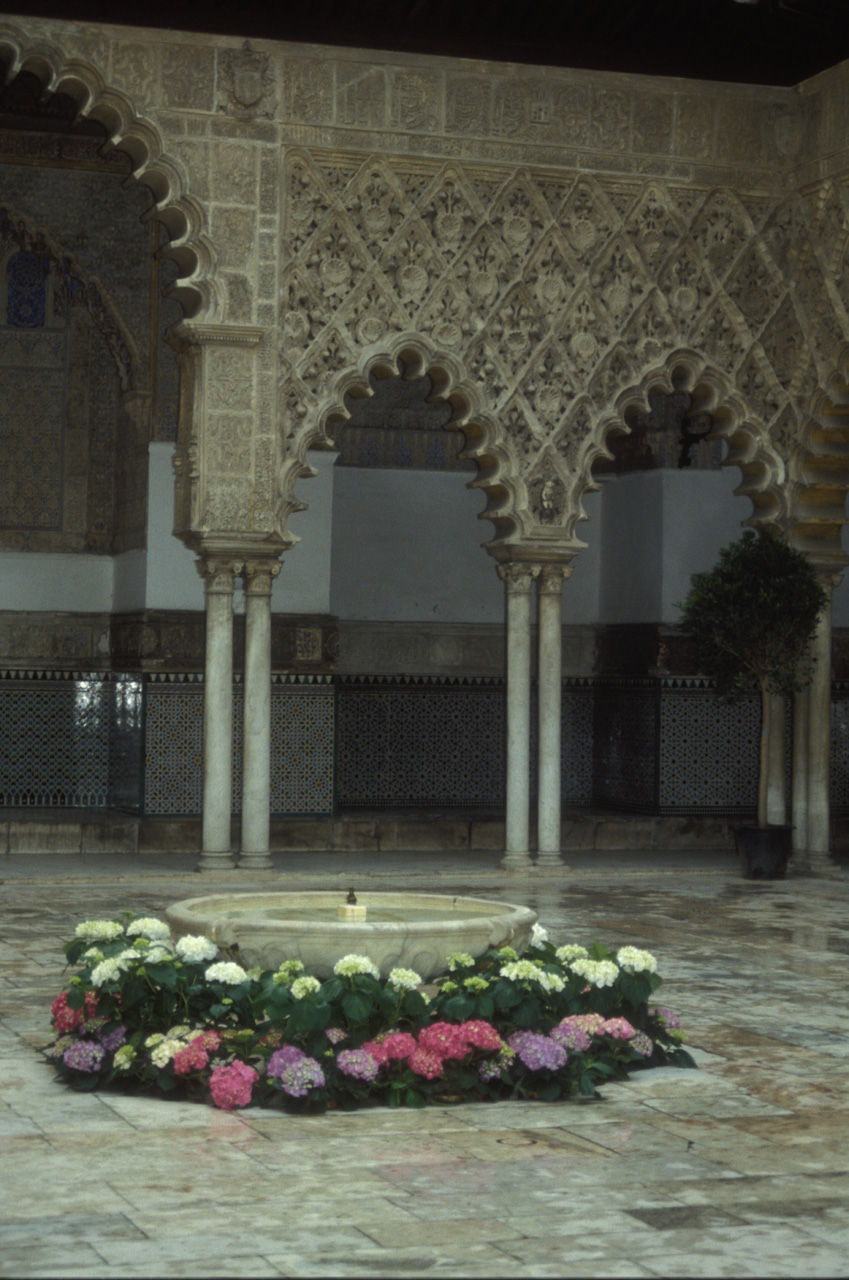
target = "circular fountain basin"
x: 401, y: 930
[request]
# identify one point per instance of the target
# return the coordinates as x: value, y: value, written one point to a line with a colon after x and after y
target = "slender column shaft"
x: 819, y: 741
x: 550, y: 592
x: 518, y: 579
x: 801, y: 717
x: 776, y: 797
x: 218, y: 575
x: 256, y: 757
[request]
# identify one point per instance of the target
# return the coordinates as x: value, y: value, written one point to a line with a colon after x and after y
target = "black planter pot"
x: 764, y: 851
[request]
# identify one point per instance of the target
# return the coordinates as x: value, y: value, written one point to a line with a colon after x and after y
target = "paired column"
x: 218, y: 575
x: 256, y: 759
x: 550, y: 591
x: 812, y: 749
x: 819, y: 740
x: 518, y: 579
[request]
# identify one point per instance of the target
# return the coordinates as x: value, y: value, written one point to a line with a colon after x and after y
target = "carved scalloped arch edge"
x: 486, y: 441
x: 190, y: 247
x: 763, y: 472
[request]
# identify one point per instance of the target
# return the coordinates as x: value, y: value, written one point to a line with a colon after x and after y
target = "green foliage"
x: 752, y: 615
x: 141, y: 1013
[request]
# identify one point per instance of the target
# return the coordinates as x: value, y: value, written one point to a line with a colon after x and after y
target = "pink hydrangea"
x: 400, y: 1044
x: 231, y: 1086
x: 193, y: 1058
x: 425, y: 1062
x: 444, y: 1038
x: 481, y: 1035
x: 617, y: 1028
x: 589, y: 1022
x: 65, y: 1019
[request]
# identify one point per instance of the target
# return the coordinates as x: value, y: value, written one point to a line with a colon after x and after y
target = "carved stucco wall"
x: 86, y: 380
x: 549, y: 244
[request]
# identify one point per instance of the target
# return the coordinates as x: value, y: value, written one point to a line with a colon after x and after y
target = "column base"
x: 255, y: 862
x: 550, y: 862
x: 224, y: 861
x: 517, y: 862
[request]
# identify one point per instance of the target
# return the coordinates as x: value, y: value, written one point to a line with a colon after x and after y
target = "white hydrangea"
x: 404, y: 979
x: 303, y: 987
x: 572, y: 951
x: 99, y: 930
x: 124, y: 1057
x: 598, y: 973
x: 93, y: 955
x: 530, y: 971
x: 287, y: 971
x: 194, y: 947
x: 353, y: 964
x: 459, y: 960
x: 538, y: 935
x: 165, y: 1051
x: 149, y: 927
x: 226, y: 971
x: 111, y: 969
x: 632, y: 960
x: 155, y: 954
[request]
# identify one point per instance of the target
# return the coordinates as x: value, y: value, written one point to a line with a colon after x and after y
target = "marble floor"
x: 740, y: 1168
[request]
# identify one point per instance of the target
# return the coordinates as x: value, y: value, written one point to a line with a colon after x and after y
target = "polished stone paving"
x: 740, y: 1168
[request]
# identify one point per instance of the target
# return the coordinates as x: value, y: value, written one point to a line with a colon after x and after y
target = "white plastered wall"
x: 659, y: 528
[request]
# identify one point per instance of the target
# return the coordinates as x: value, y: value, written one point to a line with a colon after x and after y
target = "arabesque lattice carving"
x: 558, y: 300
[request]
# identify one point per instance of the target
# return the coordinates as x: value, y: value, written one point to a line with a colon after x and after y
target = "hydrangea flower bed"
x: 145, y: 1013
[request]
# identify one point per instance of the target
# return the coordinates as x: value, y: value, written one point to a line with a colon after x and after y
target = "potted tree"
x: 750, y: 619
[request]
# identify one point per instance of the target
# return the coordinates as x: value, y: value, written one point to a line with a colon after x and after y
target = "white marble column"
x: 518, y: 581
x: 799, y: 785
x: 819, y: 739
x: 256, y: 750
x: 550, y: 597
x: 218, y: 574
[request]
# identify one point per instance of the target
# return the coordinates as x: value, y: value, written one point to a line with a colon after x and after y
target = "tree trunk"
x: 763, y: 774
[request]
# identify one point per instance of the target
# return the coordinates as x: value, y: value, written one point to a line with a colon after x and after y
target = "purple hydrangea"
x: 287, y: 1056
x: 669, y: 1019
x: 490, y: 1070
x: 642, y: 1044
x: 537, y: 1052
x: 357, y: 1063
x: 114, y: 1038
x: 84, y: 1055
x: 299, y: 1077
x: 572, y: 1037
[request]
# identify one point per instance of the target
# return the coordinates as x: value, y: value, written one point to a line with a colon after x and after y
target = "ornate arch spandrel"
x: 310, y: 417
x: 182, y: 215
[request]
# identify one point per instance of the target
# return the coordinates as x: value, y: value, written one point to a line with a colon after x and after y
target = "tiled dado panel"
x: 302, y: 746
x: 93, y: 739
x: 429, y: 741
x: 69, y: 739
x: 670, y: 746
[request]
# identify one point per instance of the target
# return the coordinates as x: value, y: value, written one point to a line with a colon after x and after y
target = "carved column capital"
x: 517, y: 577
x: 218, y: 573
x: 259, y: 576
x: 552, y: 577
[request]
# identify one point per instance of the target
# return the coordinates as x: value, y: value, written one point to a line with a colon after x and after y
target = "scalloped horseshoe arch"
x: 762, y: 470
x: 182, y: 216
x: 485, y: 438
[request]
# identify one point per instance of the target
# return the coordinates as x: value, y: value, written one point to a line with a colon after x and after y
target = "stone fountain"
x: 395, y: 930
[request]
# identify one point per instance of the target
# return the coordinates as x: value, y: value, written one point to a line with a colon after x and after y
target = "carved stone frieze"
x: 546, y: 291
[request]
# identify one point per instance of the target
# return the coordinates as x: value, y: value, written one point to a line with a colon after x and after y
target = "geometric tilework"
x: 54, y: 743
x: 708, y: 752
x: 302, y: 748
x: 642, y: 746
x: 423, y: 742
